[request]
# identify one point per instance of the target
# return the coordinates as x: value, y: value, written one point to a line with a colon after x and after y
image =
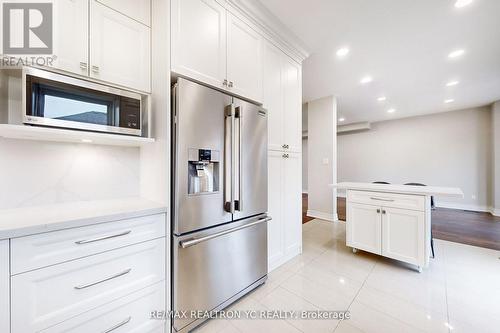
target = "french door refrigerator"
x: 219, y: 187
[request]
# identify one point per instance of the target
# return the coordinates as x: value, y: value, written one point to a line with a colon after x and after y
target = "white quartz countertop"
x: 34, y: 220
x: 451, y: 192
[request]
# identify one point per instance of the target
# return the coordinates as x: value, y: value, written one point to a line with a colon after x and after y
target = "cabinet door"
x: 199, y: 40
x: 403, y: 234
x: 120, y: 49
x: 139, y: 10
x: 273, y: 95
x: 275, y: 235
x: 292, y: 105
x: 364, y: 227
x: 71, y: 36
x: 292, y: 203
x: 244, y: 59
x: 4, y: 287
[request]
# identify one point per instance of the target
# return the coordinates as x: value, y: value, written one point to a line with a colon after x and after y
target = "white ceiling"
x: 404, y: 46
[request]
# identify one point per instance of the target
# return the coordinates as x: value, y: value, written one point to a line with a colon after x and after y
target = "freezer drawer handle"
x: 84, y: 286
x: 195, y: 241
x: 381, y: 199
x: 117, y: 326
x: 103, y: 238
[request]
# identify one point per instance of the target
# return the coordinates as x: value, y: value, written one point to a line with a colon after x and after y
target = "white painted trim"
x: 295, y: 251
x: 272, y: 26
x: 474, y: 208
x: 341, y: 195
x: 305, y: 192
x: 321, y: 215
x: 495, y: 211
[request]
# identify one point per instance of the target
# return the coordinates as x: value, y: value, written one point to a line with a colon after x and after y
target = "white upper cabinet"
x: 283, y: 100
x: 213, y: 46
x: 139, y: 10
x: 244, y: 59
x: 71, y: 36
x: 292, y: 105
x: 273, y: 95
x: 120, y: 49
x: 199, y: 40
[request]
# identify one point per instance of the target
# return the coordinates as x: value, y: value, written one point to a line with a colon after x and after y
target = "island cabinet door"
x: 403, y: 234
x: 364, y: 227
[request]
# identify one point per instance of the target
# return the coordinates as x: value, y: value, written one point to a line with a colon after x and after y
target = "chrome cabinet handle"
x: 230, y: 85
x: 382, y: 199
x: 195, y: 241
x: 383, y: 211
x: 378, y: 211
x: 83, y: 65
x: 238, y: 115
x: 85, y: 286
x: 124, y: 322
x: 95, y: 69
x: 229, y: 161
x: 286, y: 156
x: 285, y: 146
x: 86, y: 241
x: 224, y: 83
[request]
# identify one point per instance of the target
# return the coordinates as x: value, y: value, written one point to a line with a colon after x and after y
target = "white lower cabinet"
x: 132, y: 314
x: 285, y: 229
x: 4, y: 287
x: 389, y: 229
x: 403, y: 234
x: 364, y: 227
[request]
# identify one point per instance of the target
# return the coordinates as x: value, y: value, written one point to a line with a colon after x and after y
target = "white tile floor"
x: 459, y: 292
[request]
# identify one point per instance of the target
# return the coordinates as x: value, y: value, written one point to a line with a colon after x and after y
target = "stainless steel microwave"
x: 56, y: 100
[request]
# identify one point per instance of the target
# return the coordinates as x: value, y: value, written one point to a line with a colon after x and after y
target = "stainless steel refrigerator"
x: 219, y: 180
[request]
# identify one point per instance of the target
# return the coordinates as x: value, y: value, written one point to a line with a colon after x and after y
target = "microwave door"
x: 250, y: 169
x: 199, y: 163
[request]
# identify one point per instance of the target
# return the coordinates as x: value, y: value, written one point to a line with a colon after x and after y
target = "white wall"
x: 304, y: 148
x: 322, y: 115
x: 446, y: 149
x: 495, y: 192
x: 38, y: 173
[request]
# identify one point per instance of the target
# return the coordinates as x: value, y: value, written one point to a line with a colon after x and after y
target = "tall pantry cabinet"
x: 283, y: 100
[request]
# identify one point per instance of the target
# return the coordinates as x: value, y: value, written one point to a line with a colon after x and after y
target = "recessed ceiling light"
x: 381, y: 99
x: 448, y: 101
x: 342, y: 52
x: 452, y: 83
x: 456, y: 54
x: 462, y: 3
x: 86, y: 141
x: 341, y: 119
x: 366, y: 79
x: 391, y: 110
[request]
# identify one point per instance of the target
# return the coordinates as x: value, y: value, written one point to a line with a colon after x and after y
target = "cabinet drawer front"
x: 32, y: 252
x: 131, y: 314
x: 403, y: 201
x: 51, y: 295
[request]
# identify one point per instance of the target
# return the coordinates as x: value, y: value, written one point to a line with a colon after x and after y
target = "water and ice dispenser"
x: 203, y: 173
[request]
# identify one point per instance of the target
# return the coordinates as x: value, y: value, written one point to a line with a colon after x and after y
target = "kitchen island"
x: 392, y: 220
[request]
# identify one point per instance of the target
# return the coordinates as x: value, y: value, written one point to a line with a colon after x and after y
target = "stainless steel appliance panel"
x: 251, y: 160
x: 212, y: 266
x: 199, y: 125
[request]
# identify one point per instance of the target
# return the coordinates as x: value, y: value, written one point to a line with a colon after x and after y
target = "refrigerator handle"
x: 238, y: 115
x: 229, y: 162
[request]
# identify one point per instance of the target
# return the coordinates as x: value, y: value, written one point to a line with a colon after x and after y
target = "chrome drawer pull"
x: 194, y: 241
x: 103, y: 238
x: 84, y: 286
x: 125, y: 322
x: 381, y: 199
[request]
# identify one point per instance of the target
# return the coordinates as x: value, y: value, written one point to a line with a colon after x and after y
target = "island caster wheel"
x: 419, y: 269
x: 354, y: 250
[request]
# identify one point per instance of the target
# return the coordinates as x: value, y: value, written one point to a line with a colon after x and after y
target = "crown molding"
x: 259, y: 15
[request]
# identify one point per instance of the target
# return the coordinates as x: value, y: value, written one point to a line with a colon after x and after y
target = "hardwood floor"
x: 465, y: 227
x: 305, y: 218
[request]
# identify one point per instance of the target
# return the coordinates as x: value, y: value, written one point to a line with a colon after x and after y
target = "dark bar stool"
x: 432, y: 207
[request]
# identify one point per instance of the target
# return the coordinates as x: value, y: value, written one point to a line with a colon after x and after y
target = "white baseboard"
x: 305, y: 191
x: 321, y: 215
x: 495, y: 211
x: 291, y: 253
x: 474, y: 208
x: 341, y: 195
